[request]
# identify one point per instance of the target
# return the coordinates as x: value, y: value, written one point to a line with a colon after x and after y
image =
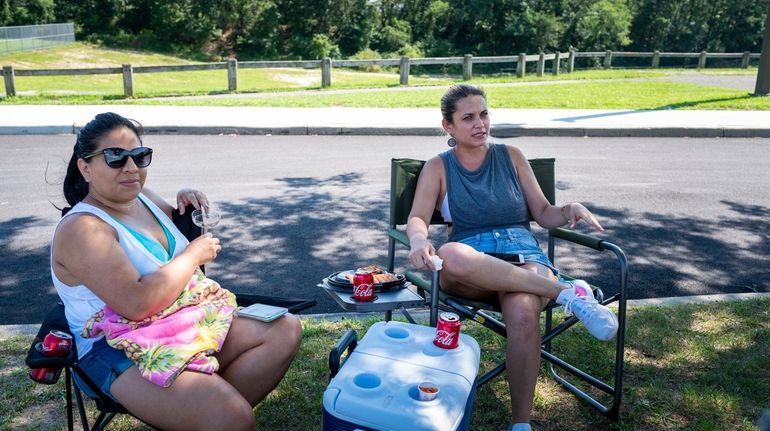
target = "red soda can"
x: 57, y: 343
x: 363, y: 286
x: 48, y: 375
x: 447, y: 331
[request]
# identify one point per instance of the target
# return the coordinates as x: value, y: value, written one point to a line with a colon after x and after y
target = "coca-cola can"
x: 447, y: 331
x: 363, y: 286
x: 47, y: 375
x: 57, y: 343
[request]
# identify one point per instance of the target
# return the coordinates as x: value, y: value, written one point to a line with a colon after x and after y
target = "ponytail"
x: 75, y: 186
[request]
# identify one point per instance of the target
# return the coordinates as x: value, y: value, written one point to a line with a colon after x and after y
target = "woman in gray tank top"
x: 486, y: 191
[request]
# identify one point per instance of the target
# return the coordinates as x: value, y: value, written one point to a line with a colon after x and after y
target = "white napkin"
x: 437, y: 262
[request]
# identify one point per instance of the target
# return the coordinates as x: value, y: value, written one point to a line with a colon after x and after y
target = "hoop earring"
x: 451, y: 142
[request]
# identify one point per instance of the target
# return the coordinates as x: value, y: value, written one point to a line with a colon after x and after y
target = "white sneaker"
x: 519, y: 427
x: 599, y: 320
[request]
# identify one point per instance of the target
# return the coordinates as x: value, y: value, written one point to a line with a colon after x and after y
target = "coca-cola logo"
x: 363, y: 290
x: 445, y: 338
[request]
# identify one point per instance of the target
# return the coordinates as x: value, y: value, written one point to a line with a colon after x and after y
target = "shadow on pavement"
x: 284, y: 245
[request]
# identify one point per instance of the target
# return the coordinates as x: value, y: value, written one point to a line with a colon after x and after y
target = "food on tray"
x: 380, y: 274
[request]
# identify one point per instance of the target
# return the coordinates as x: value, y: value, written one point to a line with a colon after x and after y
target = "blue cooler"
x: 376, y: 388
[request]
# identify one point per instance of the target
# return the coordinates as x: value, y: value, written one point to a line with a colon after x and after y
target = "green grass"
x: 692, y: 367
x: 14, y: 45
x: 293, y: 87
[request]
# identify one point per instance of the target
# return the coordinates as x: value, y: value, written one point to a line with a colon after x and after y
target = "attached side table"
x: 386, y: 301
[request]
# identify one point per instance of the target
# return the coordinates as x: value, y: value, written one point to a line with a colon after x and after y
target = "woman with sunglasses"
x: 118, y: 247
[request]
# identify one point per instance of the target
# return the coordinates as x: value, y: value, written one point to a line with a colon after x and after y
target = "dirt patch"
x: 299, y: 80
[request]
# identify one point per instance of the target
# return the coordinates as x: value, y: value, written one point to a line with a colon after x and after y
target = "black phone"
x: 515, y: 258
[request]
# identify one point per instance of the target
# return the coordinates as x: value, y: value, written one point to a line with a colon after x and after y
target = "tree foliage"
x: 301, y: 29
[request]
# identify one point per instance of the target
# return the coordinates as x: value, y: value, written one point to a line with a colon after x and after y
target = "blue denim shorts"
x: 517, y: 240
x: 103, y: 364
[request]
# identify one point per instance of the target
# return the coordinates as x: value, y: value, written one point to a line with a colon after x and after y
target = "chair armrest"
x: 295, y: 305
x: 591, y: 241
x: 399, y: 236
x: 54, y: 320
x: 36, y: 359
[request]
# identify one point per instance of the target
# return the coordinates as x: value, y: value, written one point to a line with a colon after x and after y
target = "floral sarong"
x: 182, y: 336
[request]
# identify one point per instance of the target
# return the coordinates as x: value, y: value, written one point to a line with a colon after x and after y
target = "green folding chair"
x: 404, y: 175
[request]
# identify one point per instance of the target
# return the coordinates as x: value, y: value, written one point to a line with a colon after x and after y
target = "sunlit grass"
x: 683, y: 371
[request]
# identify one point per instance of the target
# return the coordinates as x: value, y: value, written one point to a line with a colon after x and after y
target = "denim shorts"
x: 103, y: 364
x: 516, y: 240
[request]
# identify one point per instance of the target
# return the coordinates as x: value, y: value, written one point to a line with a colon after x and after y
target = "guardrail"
x: 556, y: 60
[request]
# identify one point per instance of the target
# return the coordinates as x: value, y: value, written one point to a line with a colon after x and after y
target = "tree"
x: 694, y: 25
x: 597, y: 25
x: 763, y: 74
x: 26, y: 12
x: 351, y: 25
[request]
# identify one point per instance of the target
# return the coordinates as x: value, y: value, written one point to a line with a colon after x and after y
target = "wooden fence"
x: 557, y: 62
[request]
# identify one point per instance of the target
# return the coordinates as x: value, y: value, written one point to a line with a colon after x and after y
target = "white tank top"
x: 80, y: 303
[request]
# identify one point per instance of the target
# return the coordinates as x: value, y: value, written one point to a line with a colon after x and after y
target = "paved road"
x: 692, y: 214
x: 738, y: 82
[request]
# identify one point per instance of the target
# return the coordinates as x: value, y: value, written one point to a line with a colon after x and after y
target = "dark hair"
x: 454, y: 94
x: 75, y: 186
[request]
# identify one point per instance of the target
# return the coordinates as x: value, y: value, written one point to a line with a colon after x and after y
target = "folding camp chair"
x: 404, y: 175
x: 107, y: 408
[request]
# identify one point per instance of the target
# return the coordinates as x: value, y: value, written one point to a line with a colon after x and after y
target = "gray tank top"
x: 487, y: 198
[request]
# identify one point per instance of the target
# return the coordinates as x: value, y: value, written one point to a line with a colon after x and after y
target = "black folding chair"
x: 107, y: 408
x: 404, y: 175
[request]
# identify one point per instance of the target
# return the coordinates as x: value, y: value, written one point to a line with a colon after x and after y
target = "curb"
x: 7, y: 331
x: 495, y: 131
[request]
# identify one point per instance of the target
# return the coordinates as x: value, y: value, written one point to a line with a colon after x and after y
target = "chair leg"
x: 68, y: 385
x: 81, y: 409
x: 102, y: 421
x: 611, y: 410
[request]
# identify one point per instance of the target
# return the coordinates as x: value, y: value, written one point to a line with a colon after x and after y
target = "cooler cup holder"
x: 367, y: 381
x: 430, y: 349
x: 414, y: 394
x: 397, y: 334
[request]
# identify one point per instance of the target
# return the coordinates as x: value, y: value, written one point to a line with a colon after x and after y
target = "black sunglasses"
x: 117, y: 157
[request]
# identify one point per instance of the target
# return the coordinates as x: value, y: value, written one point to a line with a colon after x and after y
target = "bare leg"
x: 195, y: 401
x: 256, y: 354
x: 522, y: 322
x: 478, y: 274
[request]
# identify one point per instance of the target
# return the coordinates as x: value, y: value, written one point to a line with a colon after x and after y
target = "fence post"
x: 655, y: 59
x: 521, y: 65
x: 702, y: 60
x: 326, y: 72
x: 467, y: 67
x: 541, y: 64
x: 232, y: 74
x: 571, y: 61
x: 403, y: 70
x: 557, y: 63
x: 10, y: 81
x: 745, y: 60
x: 607, y: 59
x: 128, y: 80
